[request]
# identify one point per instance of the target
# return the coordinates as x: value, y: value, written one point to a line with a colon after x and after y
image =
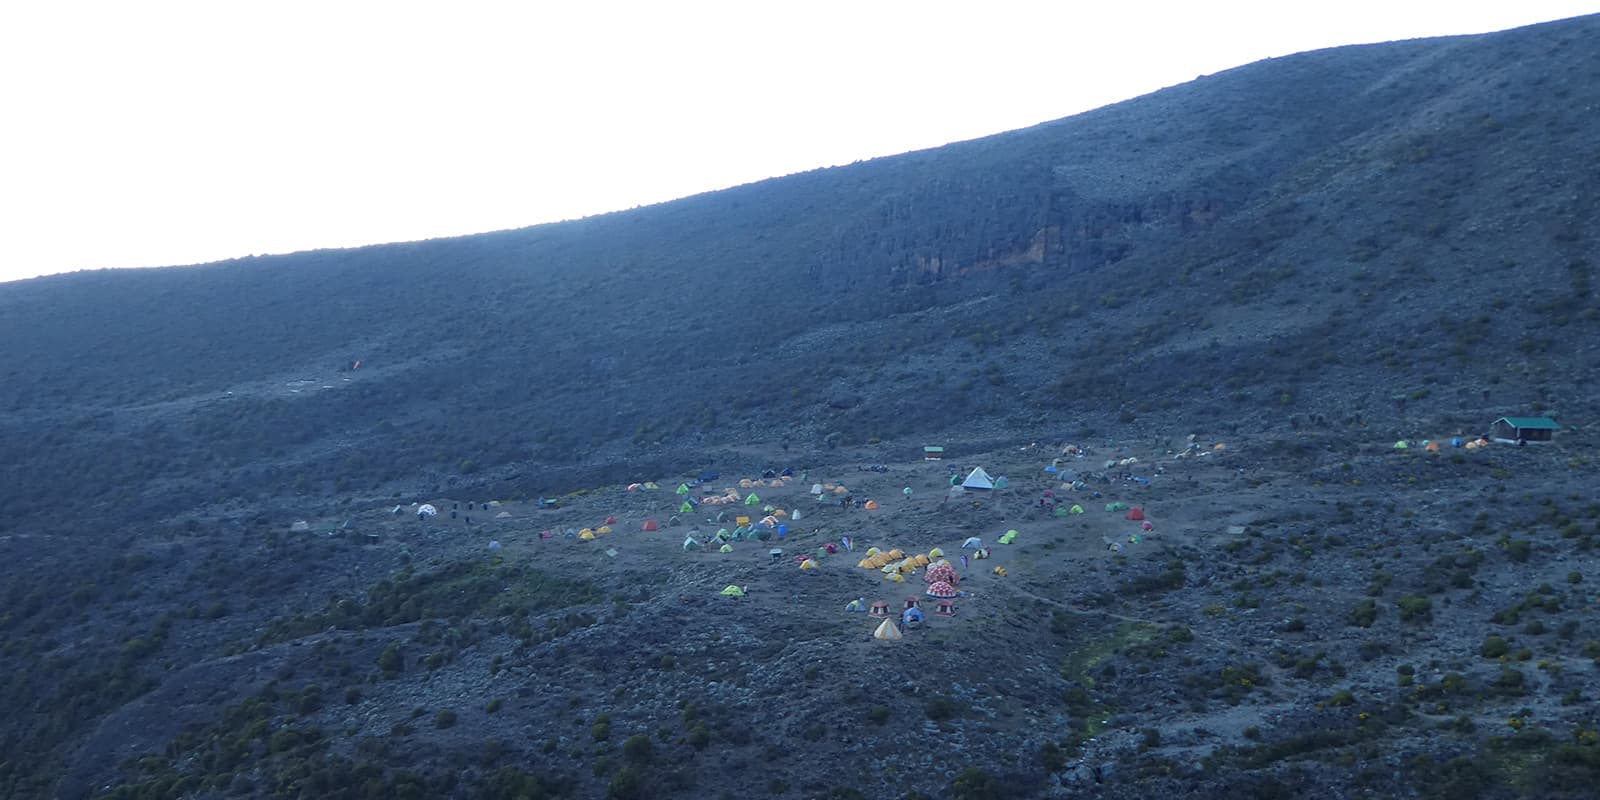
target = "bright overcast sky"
x: 153, y: 133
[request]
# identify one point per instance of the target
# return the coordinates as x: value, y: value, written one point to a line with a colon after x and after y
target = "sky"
x: 164, y: 133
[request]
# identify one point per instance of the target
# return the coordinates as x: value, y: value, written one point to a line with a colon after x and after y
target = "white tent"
x: 816, y: 488
x: 887, y: 630
x: 978, y: 479
x: 427, y: 510
x: 972, y: 543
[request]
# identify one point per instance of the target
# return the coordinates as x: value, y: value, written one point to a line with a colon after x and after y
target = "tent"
x: 427, y: 510
x: 1002, y: 483
x: 587, y: 535
x: 1401, y: 445
x: 936, y: 553
x: 1076, y: 509
x: 685, y: 508
x: 816, y: 488
x: 1112, y: 508
x: 752, y: 500
x: 1135, y: 514
x: 689, y: 543
x: 912, y: 615
x: 941, y: 589
x: 872, y: 505
x: 1009, y: 537
x: 503, y: 515
x: 650, y: 525
x: 972, y: 542
x: 808, y: 564
x: 300, y: 526
x: 795, y: 516
x: 978, y: 479
x: 725, y: 548
x: 683, y: 488
x: 732, y: 591
x: 887, y: 631
x: 858, y: 604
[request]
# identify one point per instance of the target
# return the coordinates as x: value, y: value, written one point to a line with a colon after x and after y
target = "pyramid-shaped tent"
x: 978, y: 479
x: 752, y: 500
x: 887, y: 630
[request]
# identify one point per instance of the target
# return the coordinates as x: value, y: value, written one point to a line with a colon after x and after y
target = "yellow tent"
x: 897, y: 578
x: 603, y: 529
x: 920, y: 560
x: 586, y: 535
x: 808, y: 564
x: 935, y: 553
x: 896, y: 553
x: 872, y: 551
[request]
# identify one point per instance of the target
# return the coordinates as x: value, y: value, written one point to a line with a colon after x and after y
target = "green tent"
x: 1076, y: 509
x: 1401, y: 445
x: 683, y: 488
x: 1002, y: 483
x: 752, y: 500
x: 689, y: 544
x: 685, y: 507
x: 727, y: 548
x: 1113, y: 507
x: 1009, y: 537
x: 733, y: 591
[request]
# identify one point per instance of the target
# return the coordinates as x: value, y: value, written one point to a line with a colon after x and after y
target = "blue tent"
x: 911, y: 615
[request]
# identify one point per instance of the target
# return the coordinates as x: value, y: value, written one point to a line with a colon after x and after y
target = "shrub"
x: 1414, y: 608
x: 878, y: 715
x: 941, y: 708
x: 444, y: 719
x: 1495, y: 647
x: 638, y: 749
x: 1364, y: 614
x: 391, y: 661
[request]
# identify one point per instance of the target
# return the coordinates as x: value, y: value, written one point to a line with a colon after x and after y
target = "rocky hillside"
x: 1309, y: 255
x: 1356, y: 236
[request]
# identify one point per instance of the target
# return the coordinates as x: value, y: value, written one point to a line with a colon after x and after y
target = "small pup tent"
x: 1135, y: 514
x: 650, y: 525
x: 733, y: 591
x: 887, y: 630
x: 1009, y: 537
x: 978, y: 479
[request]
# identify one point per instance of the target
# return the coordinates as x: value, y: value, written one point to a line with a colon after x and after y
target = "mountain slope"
x: 1286, y: 239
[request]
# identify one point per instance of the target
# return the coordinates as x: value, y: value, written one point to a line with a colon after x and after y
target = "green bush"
x: 1414, y: 608
x: 444, y: 719
x: 1495, y: 647
x: 1364, y: 614
x: 638, y: 749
